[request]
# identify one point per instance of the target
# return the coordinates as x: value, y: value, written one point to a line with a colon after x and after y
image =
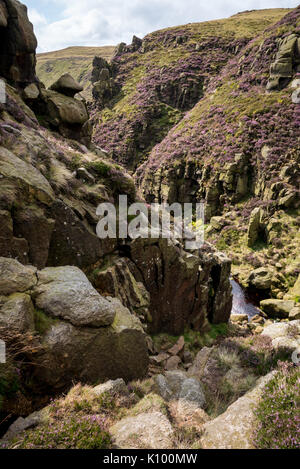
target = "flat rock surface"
x: 66, y: 293
x: 145, y: 431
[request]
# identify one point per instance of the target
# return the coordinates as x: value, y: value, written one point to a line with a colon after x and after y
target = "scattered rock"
x: 160, y: 358
x: 239, y: 317
x: 201, y: 359
x: 31, y: 92
x: 284, y: 335
x: 22, y: 424
x: 111, y: 387
x: 294, y: 313
x: 145, y: 431
x: 176, y: 385
x: 178, y: 347
x: 172, y: 363
x: 188, y: 415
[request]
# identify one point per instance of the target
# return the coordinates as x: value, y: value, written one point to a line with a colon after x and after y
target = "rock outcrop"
x: 286, y: 61
x: 154, y: 270
x: 17, y: 43
x: 104, y: 85
x: 85, y: 336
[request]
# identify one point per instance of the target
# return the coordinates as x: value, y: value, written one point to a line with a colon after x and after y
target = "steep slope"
x: 238, y: 149
x: 67, y: 292
x: 74, y: 60
x: 158, y: 79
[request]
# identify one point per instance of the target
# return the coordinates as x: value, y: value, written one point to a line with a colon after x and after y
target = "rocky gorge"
x: 130, y: 343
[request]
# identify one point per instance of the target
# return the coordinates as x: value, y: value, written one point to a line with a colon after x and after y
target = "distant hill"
x: 74, y: 60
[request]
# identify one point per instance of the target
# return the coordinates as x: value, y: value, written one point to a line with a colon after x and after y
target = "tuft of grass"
x: 42, y: 322
x: 102, y: 169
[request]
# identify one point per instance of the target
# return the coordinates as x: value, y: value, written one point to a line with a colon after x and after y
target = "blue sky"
x: 63, y: 23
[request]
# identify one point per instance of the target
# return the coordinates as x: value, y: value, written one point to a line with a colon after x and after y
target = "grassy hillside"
x: 74, y: 60
x: 238, y: 149
x: 167, y: 77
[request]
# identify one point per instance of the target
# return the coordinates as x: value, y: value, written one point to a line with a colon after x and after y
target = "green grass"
x: 42, y: 322
x: 74, y: 60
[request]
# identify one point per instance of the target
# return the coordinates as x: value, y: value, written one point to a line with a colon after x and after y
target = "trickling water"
x: 239, y: 304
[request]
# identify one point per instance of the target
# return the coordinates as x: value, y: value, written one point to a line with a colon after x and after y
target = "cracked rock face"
x: 287, y: 58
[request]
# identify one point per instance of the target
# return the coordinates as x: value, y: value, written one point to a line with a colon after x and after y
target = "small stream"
x: 240, y: 305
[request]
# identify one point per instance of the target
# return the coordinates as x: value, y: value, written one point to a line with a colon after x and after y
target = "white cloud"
x: 36, y: 18
x: 103, y: 22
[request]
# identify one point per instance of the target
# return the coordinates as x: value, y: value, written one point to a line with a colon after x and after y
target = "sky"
x: 63, y: 23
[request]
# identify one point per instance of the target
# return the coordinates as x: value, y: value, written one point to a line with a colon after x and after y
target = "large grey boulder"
x: 277, y: 308
x: 150, y: 430
x: 64, y: 109
x: 66, y: 293
x: 91, y: 354
x: 234, y: 428
x: 15, y: 277
x: 67, y: 85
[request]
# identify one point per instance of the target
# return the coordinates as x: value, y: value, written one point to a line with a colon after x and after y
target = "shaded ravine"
x: 240, y: 305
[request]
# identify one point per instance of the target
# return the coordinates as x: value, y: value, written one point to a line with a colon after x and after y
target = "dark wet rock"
x: 18, y: 43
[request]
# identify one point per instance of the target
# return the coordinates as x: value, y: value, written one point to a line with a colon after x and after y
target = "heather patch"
x: 278, y: 413
x: 173, y: 68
